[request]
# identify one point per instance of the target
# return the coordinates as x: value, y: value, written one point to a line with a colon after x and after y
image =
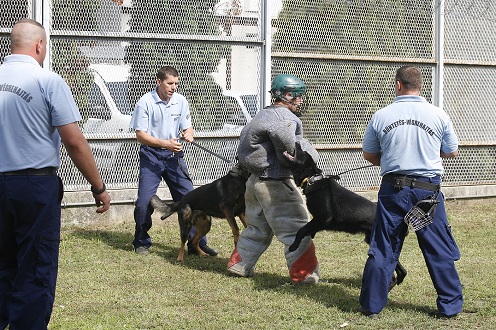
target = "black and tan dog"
x: 332, y: 206
x: 222, y: 198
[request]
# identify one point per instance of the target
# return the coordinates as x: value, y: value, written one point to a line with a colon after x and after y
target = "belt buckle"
x: 399, y: 182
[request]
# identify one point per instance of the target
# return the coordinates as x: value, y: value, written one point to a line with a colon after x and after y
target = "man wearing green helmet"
x: 288, y: 89
x: 274, y: 205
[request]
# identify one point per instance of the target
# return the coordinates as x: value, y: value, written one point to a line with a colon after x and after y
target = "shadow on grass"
x: 331, y: 292
x: 123, y: 241
x: 114, y: 239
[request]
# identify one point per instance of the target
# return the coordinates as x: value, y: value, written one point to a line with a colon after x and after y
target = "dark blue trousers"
x: 157, y: 164
x: 29, y: 249
x: 435, y: 241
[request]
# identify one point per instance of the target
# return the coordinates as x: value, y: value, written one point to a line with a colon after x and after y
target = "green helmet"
x: 285, y: 83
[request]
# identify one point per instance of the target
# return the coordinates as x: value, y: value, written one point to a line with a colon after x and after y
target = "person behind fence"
x: 37, y: 111
x: 161, y: 118
x: 408, y: 140
x: 274, y: 205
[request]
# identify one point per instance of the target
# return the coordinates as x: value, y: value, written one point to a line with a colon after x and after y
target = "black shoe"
x: 370, y: 315
x: 442, y: 316
x: 211, y: 252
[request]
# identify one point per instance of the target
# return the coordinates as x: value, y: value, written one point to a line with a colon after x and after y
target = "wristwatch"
x: 98, y: 192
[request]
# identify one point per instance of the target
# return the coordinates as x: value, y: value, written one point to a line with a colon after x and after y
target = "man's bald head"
x: 28, y: 37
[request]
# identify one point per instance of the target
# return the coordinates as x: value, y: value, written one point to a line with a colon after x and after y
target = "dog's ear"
x: 304, y: 149
x: 298, y: 147
x: 297, y: 157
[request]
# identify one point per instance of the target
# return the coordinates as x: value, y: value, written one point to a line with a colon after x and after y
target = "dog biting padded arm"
x: 308, y: 147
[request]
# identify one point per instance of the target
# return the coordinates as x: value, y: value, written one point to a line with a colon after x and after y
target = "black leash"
x: 319, y: 176
x: 337, y: 176
x: 205, y: 149
x: 211, y: 152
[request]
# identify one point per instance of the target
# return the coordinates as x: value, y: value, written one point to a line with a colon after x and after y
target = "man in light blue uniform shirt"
x: 408, y: 139
x: 37, y: 110
x: 161, y: 118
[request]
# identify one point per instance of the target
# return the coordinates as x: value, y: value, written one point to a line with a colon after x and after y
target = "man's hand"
x: 102, y: 201
x: 173, y: 145
x: 187, y: 136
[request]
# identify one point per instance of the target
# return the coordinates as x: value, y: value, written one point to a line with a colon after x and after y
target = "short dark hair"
x: 167, y: 71
x: 410, y: 77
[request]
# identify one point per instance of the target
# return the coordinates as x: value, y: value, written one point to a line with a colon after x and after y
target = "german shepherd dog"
x: 332, y: 206
x: 222, y: 198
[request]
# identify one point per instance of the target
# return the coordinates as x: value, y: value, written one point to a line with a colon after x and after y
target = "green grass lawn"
x: 103, y: 284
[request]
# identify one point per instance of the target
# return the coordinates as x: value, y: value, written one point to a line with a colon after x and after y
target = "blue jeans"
x: 435, y: 241
x: 29, y: 249
x: 157, y: 164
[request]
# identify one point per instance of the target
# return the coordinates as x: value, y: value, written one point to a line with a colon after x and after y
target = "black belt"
x: 46, y: 171
x: 403, y: 180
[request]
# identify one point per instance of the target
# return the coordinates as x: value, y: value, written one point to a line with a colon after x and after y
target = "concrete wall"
x: 78, y: 207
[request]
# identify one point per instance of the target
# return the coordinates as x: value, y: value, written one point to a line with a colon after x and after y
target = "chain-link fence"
x: 347, y: 52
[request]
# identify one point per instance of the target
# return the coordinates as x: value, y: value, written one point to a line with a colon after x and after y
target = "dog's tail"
x: 167, y: 209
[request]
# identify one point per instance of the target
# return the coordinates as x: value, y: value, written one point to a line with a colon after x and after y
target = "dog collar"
x: 311, y: 180
x: 307, y: 182
x: 236, y: 171
x: 314, y: 179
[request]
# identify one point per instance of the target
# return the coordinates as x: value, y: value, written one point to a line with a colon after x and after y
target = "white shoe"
x: 312, y: 279
x: 238, y: 270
